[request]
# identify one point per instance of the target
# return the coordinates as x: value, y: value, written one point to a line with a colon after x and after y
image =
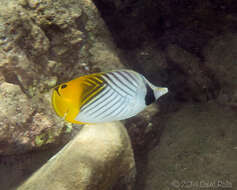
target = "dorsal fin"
x: 92, y: 85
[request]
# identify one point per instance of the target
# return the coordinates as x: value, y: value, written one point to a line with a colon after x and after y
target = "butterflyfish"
x: 104, y: 97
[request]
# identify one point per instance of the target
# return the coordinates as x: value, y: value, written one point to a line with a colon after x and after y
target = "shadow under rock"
x: 15, y: 169
x: 143, y: 142
x: 141, y: 154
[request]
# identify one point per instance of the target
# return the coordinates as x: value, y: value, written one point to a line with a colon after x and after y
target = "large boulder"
x: 43, y: 43
x: 96, y: 158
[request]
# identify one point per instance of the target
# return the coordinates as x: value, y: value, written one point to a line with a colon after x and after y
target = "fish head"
x: 65, y: 99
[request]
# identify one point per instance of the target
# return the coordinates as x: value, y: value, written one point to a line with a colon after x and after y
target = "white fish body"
x: 125, y: 93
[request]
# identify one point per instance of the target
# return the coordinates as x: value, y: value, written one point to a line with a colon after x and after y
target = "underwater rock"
x: 71, y: 34
x: 23, y: 125
x: 21, y: 44
x: 150, y: 61
x: 15, y: 112
x: 79, y: 40
x: 144, y: 129
x: 43, y: 43
x: 221, y: 55
x: 197, y: 148
x: 197, y: 83
x: 96, y: 158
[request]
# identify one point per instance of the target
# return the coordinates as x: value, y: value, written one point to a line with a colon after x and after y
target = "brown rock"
x: 199, y: 84
x: 221, y: 56
x: 23, y: 126
x: 43, y: 43
x: 144, y: 129
x: 95, y: 159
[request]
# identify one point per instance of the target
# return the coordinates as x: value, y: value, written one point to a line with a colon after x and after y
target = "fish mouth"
x: 164, y: 90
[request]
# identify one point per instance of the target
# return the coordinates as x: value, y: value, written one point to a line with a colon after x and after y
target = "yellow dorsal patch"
x: 91, y: 86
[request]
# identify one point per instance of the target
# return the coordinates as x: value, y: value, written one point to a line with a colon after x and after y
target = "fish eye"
x: 63, y: 86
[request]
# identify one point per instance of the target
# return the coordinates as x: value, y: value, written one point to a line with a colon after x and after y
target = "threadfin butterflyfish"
x: 104, y: 97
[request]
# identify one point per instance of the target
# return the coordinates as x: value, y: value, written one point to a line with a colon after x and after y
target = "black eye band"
x: 56, y: 88
x: 63, y: 86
